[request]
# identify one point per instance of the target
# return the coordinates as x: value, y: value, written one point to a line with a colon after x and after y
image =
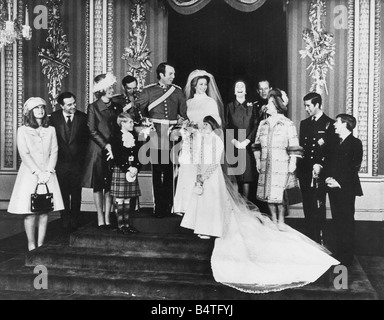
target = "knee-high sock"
x: 119, y: 210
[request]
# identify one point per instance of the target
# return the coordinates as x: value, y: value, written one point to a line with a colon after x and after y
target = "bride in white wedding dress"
x: 250, y: 254
x: 203, y: 99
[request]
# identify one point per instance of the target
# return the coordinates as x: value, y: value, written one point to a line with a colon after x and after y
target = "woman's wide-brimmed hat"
x: 105, y: 83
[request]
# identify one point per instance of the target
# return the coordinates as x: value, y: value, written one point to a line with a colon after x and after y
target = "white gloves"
x: 108, y: 147
x: 43, y: 177
x: 241, y: 145
x: 332, y: 183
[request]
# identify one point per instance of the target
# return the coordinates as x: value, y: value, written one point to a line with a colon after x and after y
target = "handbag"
x: 42, y: 202
x: 292, y: 191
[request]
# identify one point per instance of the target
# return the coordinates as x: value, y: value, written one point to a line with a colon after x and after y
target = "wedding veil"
x: 212, y: 91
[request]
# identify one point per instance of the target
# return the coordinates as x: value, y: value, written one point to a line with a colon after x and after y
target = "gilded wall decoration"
x: 319, y: 47
x: 55, y: 58
x: 137, y: 53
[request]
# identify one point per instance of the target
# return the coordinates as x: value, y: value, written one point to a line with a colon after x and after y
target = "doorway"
x: 230, y: 44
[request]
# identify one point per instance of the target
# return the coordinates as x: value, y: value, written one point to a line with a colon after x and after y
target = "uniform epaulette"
x: 177, y: 86
x: 150, y: 85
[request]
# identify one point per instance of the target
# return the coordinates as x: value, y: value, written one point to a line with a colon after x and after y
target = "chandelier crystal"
x: 12, y: 30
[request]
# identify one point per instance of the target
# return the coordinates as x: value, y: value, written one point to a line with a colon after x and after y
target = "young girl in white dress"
x: 205, y: 213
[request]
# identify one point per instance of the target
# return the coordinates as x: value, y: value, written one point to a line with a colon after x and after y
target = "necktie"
x: 69, y: 122
x: 69, y: 128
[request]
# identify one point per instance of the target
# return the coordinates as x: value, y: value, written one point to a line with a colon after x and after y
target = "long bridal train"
x: 254, y: 256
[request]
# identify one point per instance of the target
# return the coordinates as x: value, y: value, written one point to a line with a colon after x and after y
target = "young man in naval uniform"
x: 164, y: 104
x: 317, y: 133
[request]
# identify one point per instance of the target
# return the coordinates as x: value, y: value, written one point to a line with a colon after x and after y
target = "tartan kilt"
x: 121, y: 188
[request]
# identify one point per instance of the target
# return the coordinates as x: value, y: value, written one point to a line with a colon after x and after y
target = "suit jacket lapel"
x: 75, y: 124
x: 61, y: 128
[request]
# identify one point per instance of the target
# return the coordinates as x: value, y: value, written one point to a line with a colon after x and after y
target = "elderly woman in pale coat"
x: 37, y: 145
x: 276, y: 150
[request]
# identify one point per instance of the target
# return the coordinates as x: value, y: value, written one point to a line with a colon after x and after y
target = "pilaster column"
x: 99, y: 40
x: 363, y: 86
x: 11, y: 96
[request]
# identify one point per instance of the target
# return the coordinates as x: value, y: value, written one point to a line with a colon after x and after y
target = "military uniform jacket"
x: 172, y: 107
x: 124, y: 101
x: 311, y: 134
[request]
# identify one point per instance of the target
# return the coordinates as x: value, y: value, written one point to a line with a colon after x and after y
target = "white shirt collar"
x: 345, y: 136
x: 66, y: 115
x: 318, y: 116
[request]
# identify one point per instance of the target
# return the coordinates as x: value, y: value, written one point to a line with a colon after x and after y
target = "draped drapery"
x: 192, y: 6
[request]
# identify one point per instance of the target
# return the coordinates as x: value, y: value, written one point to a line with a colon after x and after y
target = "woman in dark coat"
x: 242, y: 122
x: 102, y: 124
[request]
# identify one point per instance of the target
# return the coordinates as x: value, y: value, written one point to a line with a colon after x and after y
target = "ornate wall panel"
x: 11, y: 97
x: 298, y: 78
x: 101, y: 40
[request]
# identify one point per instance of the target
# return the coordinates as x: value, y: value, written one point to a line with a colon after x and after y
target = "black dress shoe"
x: 122, y: 230
x: 102, y: 227
x: 132, y: 230
x: 111, y: 227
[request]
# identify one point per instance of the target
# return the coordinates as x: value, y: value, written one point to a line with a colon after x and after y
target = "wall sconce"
x: 12, y: 30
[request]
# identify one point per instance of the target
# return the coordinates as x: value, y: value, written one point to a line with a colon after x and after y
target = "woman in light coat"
x: 37, y: 145
x: 276, y: 150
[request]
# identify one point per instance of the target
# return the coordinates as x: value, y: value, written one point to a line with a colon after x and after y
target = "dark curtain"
x: 192, y: 6
x: 230, y: 44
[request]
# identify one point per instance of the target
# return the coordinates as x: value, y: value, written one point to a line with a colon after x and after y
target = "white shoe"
x: 281, y: 226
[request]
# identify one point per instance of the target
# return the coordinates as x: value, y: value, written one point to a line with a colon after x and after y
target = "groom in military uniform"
x: 163, y: 103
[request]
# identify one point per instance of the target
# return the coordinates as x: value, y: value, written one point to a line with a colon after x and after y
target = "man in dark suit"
x: 342, y: 166
x: 316, y: 134
x: 163, y: 103
x: 72, y: 137
x: 263, y: 89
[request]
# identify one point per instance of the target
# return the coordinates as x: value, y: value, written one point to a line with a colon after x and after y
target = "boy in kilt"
x: 126, y: 166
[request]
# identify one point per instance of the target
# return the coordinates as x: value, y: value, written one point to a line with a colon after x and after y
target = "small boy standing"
x: 126, y: 166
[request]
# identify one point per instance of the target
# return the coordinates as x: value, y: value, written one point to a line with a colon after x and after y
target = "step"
x: 125, y: 261
x: 91, y: 237
x: 16, y: 277
x: 47, y: 295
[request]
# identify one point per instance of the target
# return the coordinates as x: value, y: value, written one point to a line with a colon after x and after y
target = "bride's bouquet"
x: 145, y: 127
x: 184, y: 128
x: 189, y: 127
